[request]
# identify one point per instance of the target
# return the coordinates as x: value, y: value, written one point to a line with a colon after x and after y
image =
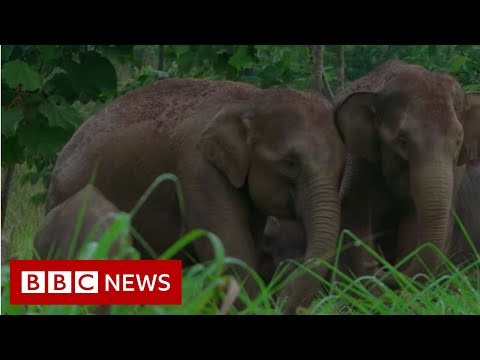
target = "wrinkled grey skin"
x: 409, y: 133
x: 54, y: 238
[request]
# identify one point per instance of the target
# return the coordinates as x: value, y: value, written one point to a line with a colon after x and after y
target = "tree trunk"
x: 317, y: 51
x: 340, y: 68
x: 6, y: 190
x: 161, y: 51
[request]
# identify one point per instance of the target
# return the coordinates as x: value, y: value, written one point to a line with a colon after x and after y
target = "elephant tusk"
x: 233, y: 289
x: 376, y: 236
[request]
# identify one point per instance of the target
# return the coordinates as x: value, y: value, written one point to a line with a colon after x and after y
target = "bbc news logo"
x: 96, y: 282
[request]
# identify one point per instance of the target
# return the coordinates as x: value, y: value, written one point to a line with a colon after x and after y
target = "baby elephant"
x: 56, y: 235
x: 283, y: 240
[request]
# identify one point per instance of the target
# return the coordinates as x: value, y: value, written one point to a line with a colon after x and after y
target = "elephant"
x: 409, y: 133
x: 283, y: 240
x: 240, y: 153
x: 55, y: 236
x: 468, y: 211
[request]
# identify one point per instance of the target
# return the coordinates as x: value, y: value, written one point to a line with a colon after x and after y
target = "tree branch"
x: 327, y: 89
x: 340, y: 68
x: 317, y: 52
x: 161, y: 52
x: 6, y: 190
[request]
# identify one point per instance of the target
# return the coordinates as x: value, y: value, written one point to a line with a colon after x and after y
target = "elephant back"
x: 376, y: 79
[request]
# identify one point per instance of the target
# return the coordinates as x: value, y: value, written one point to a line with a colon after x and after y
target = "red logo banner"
x: 96, y: 282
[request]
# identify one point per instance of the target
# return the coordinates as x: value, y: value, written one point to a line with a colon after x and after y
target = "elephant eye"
x: 290, y: 166
x: 402, y: 140
x: 290, y: 161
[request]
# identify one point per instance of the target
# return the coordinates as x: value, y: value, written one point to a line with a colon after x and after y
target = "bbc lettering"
x: 59, y: 282
x: 96, y: 282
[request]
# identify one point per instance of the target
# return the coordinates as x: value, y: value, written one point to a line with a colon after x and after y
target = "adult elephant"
x: 409, y: 133
x: 240, y: 152
x: 468, y: 210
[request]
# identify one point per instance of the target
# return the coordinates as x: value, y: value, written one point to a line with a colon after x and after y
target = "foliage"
x: 42, y: 89
x: 462, y: 61
x: 49, y: 90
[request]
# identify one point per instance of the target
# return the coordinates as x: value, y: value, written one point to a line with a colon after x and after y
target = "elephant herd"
x: 278, y: 173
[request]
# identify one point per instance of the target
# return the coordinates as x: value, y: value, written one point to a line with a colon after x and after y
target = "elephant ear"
x: 471, y: 129
x: 355, y: 122
x: 224, y: 144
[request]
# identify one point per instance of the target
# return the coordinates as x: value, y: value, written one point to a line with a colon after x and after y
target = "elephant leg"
x: 406, y: 237
x: 364, y: 201
x: 362, y: 218
x: 215, y: 207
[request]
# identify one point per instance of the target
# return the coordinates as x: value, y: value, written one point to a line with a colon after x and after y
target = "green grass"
x: 22, y: 217
x: 204, y: 285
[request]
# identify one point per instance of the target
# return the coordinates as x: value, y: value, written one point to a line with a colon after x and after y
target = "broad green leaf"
x: 42, y: 141
x: 241, y: 58
x: 93, y: 75
x: 18, y: 73
x: 62, y: 85
x: 6, y: 52
x: 50, y: 52
x: 12, y: 151
x: 10, y: 120
x: 60, y: 114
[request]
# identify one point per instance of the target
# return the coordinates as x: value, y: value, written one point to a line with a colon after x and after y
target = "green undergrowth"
x: 204, y: 285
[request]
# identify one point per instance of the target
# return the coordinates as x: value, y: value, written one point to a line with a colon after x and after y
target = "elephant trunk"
x: 432, y: 189
x: 321, y: 218
x: 319, y: 208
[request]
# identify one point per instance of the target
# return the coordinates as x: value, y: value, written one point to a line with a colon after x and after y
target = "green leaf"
x: 180, y: 49
x: 93, y: 75
x: 42, y: 141
x: 18, y: 73
x: 10, y: 120
x: 61, y: 84
x: 60, y: 114
x: 50, y: 52
x: 121, y: 53
x: 12, y: 151
x: 457, y: 63
x: 240, y: 59
x: 6, y: 52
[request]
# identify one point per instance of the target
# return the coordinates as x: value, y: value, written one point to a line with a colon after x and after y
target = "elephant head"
x: 418, y: 126
x: 283, y: 148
